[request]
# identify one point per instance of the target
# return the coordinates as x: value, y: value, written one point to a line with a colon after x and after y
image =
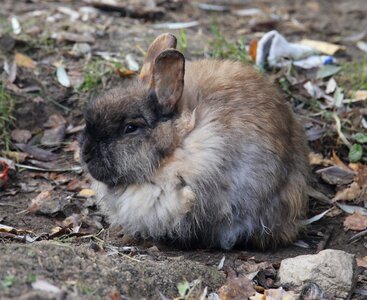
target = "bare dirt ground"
x: 95, y: 262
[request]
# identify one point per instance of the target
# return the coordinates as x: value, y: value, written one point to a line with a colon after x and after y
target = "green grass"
x: 353, y: 76
x: 93, y: 74
x: 221, y: 48
x: 182, y: 44
x: 8, y: 281
x: 6, y: 119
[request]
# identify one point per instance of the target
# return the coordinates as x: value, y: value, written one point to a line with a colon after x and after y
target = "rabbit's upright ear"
x: 162, y: 42
x: 168, y: 79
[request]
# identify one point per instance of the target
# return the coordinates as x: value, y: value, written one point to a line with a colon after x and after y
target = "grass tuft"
x: 94, y: 73
x: 6, y: 118
x: 221, y: 48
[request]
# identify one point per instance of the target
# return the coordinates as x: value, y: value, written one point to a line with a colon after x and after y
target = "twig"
x: 76, y: 169
x: 358, y: 236
x: 340, y: 133
x: 325, y: 240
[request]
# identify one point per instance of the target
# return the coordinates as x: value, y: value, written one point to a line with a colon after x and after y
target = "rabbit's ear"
x: 168, y: 79
x: 161, y: 43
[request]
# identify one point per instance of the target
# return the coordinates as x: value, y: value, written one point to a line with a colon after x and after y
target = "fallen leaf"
x: 74, y: 37
x: 75, y: 184
x: 132, y: 11
x: 362, y: 46
x: 212, y: 7
x: 131, y: 63
x: 236, y: 288
x: 45, y: 286
x: 38, y: 153
x: 53, y: 136
x: 38, y: 200
x: 21, y: 135
x: 351, y: 209
x: 114, y: 295
x: 11, y: 70
x: 258, y: 296
x: 331, y: 86
x: 248, y: 12
x: 17, y: 29
x: 360, y: 95
x: 18, y: 157
x: 55, y: 120
x: 279, y: 294
x: 327, y: 71
x: 253, y: 49
x: 356, y: 222
x: 362, y: 262
x: 86, y: 193
x: 338, y: 162
x: 124, y: 73
x: 62, y: 76
x: 316, y: 218
x: 318, y: 159
x: 360, y: 137
x: 350, y: 193
x: 323, y: 47
x: 176, y: 25
x: 336, y: 175
x: 25, y: 61
x: 355, y: 153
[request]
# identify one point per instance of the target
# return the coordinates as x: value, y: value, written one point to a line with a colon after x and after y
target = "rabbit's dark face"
x: 128, y: 131
x: 126, y: 135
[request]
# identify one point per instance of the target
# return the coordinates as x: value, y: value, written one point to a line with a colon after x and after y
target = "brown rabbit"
x: 206, y: 154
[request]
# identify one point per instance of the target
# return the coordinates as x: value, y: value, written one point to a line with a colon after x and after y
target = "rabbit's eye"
x: 129, y: 128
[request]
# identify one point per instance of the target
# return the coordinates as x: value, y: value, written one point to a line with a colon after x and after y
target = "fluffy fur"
x: 228, y: 166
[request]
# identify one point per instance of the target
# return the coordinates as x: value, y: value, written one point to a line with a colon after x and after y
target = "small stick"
x: 358, y: 236
x: 325, y: 240
x: 76, y: 169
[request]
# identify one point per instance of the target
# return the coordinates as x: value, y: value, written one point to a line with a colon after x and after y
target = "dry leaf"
x: 37, y: 202
x: 350, y: 193
x: 336, y: 175
x: 62, y: 76
x: 25, y: 61
x: 258, y: 296
x: 253, y: 49
x: 45, y: 286
x: 280, y: 294
x: 356, y: 222
x: 338, y: 162
x: 236, y: 288
x: 360, y: 95
x: 86, y: 193
x: 125, y: 73
x: 18, y: 157
x: 362, y: 262
x: 323, y: 47
x: 318, y: 159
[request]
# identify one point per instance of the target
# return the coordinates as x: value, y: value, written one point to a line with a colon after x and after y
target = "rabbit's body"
x: 235, y: 169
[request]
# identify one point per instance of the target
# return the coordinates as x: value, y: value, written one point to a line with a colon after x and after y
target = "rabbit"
x: 201, y: 154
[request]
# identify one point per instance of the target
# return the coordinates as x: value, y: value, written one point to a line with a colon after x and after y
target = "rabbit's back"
x: 255, y: 188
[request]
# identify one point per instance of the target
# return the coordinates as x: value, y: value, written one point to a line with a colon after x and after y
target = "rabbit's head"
x: 130, y: 130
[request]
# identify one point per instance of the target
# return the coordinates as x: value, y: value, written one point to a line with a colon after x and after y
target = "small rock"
x: 54, y: 136
x: 21, y: 135
x: 333, y: 270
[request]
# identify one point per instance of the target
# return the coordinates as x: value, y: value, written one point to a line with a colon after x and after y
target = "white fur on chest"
x: 154, y: 209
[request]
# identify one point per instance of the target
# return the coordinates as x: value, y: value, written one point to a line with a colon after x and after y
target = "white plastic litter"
x: 275, y: 51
